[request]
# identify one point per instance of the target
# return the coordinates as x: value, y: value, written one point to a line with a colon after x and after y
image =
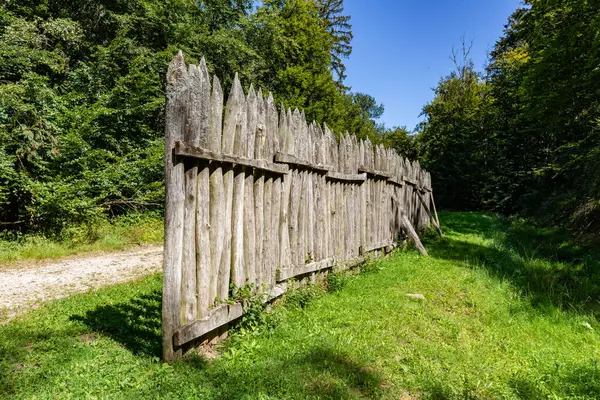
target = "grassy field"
x: 510, y: 312
x: 119, y: 234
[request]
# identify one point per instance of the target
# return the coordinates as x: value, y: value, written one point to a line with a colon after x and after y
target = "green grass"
x: 485, y: 331
x: 117, y: 234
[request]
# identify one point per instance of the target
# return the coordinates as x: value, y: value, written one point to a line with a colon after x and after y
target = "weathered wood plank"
x: 216, y: 190
x: 295, y: 161
x: 218, y: 221
x: 272, y: 128
x: 218, y: 317
x: 175, y: 121
x: 310, y: 221
x: 413, y: 235
x: 294, y: 208
x: 189, y: 305
x: 338, y: 176
x: 203, y: 247
x: 259, y: 218
x: 285, y: 257
x: 395, y: 181
x: 240, y: 149
x: 434, y: 209
x: 276, y: 247
x: 376, y: 246
x: 375, y: 174
x: 284, y: 274
x: 183, y: 149
x: 234, y: 122
x: 268, y: 261
x: 250, y: 241
x: 302, y: 219
x: 203, y: 244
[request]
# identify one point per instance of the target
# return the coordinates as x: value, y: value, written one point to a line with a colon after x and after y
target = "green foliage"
x: 335, y: 281
x: 119, y: 233
x: 403, y: 141
x: 301, y: 297
x: 480, y: 334
x: 82, y: 92
x: 525, y: 138
x: 456, y: 123
x: 340, y: 30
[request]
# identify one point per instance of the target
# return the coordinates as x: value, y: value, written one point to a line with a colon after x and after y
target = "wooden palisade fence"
x: 257, y: 196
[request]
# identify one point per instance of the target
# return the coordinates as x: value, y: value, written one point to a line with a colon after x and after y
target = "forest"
x: 522, y: 137
x: 82, y: 104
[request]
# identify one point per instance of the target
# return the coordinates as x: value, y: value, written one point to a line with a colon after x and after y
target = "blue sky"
x: 401, y: 48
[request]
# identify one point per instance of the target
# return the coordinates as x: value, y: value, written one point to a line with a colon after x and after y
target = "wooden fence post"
x: 257, y: 197
x: 175, y: 121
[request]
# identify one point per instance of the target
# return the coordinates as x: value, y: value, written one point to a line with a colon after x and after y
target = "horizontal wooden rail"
x: 183, y: 149
x: 409, y: 181
x: 378, y: 246
x: 293, y: 160
x: 376, y: 174
x: 287, y: 273
x: 395, y: 181
x: 219, y: 317
x: 338, y: 176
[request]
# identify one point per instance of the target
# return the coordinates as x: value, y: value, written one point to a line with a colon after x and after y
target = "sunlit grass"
x: 482, y: 332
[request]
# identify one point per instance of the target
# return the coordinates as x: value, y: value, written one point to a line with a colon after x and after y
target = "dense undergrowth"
x: 104, y: 235
x: 510, y: 312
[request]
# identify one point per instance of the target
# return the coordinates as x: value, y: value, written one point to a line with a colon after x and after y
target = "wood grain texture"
x: 184, y: 150
x: 219, y: 317
x: 192, y: 135
x: 288, y: 273
x: 175, y: 121
x: 259, y: 217
x: 413, y: 235
x: 268, y: 240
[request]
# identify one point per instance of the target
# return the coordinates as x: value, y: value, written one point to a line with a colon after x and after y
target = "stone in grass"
x: 416, y: 296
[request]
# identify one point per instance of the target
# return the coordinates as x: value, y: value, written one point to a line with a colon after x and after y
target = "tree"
x: 454, y: 136
x: 340, y: 29
x: 403, y: 141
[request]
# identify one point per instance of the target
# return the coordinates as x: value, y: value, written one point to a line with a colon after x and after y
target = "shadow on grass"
x: 580, y: 382
x: 321, y: 371
x: 541, y: 263
x: 136, y: 323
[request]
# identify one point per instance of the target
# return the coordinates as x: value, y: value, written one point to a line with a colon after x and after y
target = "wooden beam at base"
x: 219, y: 317
x: 378, y: 246
x: 288, y: 273
x: 183, y: 149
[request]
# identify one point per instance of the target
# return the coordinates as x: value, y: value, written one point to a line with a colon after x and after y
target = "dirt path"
x: 23, y: 288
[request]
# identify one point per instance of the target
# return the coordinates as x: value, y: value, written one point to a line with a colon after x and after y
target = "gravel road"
x: 25, y: 287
